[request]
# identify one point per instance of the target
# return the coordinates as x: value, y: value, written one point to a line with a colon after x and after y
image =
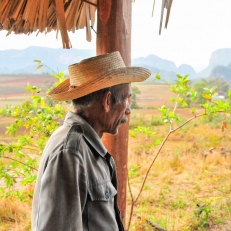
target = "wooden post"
x: 114, y: 34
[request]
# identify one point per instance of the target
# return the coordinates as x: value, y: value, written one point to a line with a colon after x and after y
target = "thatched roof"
x: 35, y: 16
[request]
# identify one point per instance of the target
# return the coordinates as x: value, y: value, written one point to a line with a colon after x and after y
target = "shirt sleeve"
x: 63, y: 193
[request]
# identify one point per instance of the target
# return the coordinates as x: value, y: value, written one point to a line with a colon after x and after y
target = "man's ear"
x: 107, y: 101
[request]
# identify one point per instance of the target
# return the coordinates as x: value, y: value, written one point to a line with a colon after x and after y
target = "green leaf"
x: 213, y: 89
x: 179, y: 76
x: 157, y: 76
x: 207, y: 90
x: 229, y: 94
x: 193, y: 110
x: 38, y: 67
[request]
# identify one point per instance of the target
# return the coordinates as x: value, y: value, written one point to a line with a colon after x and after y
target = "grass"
x: 186, y: 174
x: 14, y: 215
x: 14, y: 85
x: 153, y: 95
x: 189, y: 184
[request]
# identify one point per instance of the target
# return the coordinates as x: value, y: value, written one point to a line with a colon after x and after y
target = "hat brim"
x: 63, y: 92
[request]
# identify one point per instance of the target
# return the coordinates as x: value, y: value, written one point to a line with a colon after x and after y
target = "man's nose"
x: 128, y: 109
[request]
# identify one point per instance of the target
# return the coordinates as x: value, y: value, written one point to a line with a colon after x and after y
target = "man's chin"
x: 114, y: 133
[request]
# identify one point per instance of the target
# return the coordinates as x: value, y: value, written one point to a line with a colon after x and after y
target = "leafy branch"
x: 184, y: 97
x: 34, y: 119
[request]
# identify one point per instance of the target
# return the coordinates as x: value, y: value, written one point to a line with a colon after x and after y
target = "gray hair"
x: 88, y: 100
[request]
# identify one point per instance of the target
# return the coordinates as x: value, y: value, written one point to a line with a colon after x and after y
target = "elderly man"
x: 76, y: 187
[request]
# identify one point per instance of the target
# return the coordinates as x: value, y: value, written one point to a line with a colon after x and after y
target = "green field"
x: 14, y: 85
x: 188, y: 187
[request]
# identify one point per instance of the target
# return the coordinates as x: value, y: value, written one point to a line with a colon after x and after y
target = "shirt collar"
x: 88, y: 132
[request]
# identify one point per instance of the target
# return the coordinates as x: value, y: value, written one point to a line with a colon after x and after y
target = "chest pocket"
x: 103, y: 191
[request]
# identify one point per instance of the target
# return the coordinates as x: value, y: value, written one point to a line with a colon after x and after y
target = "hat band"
x: 72, y: 87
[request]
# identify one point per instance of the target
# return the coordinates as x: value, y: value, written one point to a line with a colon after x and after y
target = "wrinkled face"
x: 119, y: 111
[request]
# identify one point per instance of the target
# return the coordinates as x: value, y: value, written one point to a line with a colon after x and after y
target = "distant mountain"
x: 218, y: 57
x: 221, y: 56
x: 21, y: 61
x: 185, y: 69
x: 219, y: 65
x: 221, y: 72
x: 167, y: 68
x: 155, y: 61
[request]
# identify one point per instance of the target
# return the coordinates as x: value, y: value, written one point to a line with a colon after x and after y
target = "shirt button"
x: 107, y: 195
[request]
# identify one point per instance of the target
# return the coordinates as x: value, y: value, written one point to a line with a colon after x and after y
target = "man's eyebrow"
x: 127, y: 96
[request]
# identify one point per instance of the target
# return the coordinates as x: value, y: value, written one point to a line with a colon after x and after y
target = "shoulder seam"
x: 75, y: 128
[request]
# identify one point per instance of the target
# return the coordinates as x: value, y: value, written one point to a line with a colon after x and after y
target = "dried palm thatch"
x: 28, y: 16
x: 166, y: 4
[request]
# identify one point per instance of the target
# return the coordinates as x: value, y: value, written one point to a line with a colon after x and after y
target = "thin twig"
x: 157, y: 227
x: 130, y: 190
x: 160, y: 148
x: 147, y: 173
x: 36, y: 148
x: 132, y: 203
x: 37, y: 154
x: 6, y: 157
x: 174, y: 109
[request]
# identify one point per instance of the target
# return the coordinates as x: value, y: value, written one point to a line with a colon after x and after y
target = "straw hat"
x: 96, y: 73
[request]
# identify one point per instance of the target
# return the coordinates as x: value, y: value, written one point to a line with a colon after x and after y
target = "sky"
x: 196, y: 28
